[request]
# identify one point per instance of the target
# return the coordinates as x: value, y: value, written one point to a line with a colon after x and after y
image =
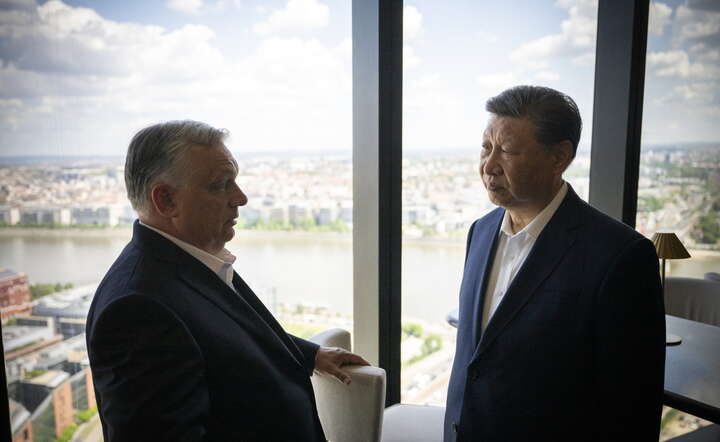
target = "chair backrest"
x: 349, y: 413
x: 693, y: 298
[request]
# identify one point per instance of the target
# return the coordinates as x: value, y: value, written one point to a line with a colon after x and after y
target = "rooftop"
x: 71, y: 303
x: 50, y: 379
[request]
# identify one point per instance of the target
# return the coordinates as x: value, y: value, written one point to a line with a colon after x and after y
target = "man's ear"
x: 163, y: 199
x: 563, y: 155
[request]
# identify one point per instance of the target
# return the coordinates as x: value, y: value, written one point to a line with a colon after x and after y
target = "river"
x: 314, y: 269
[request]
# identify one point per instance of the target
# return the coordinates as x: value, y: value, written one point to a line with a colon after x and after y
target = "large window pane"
x: 680, y: 160
x: 679, y: 187
x: 457, y: 55
x: 77, y: 80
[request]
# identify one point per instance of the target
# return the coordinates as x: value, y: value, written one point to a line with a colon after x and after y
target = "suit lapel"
x: 254, y: 319
x: 212, y: 288
x: 487, y: 243
x: 554, y: 241
x: 246, y: 292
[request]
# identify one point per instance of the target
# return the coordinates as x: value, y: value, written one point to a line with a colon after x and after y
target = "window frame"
x: 377, y: 159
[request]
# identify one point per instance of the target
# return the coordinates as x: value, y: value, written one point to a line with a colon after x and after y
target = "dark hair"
x: 155, y: 154
x: 555, y: 115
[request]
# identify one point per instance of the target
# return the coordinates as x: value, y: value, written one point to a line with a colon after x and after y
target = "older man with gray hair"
x: 561, y: 327
x: 180, y: 347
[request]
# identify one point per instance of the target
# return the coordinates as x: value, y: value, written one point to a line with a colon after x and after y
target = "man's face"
x: 207, y: 201
x: 517, y: 171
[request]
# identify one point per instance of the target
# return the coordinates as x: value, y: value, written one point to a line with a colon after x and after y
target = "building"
x: 9, y: 215
x: 69, y: 308
x: 18, y: 336
x: 14, y: 293
x: 99, y: 215
x: 47, y: 215
x: 48, y: 397
x: 60, y: 384
x: 20, y: 424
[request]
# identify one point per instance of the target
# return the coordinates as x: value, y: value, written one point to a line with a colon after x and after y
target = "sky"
x: 80, y: 77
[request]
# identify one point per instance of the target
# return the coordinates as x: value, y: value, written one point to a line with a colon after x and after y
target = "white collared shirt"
x: 511, y: 252
x: 220, y: 264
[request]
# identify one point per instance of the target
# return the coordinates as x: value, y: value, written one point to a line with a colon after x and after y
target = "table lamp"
x: 668, y: 246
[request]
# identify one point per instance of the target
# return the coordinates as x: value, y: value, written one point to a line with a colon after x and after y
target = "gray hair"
x: 554, y: 115
x: 155, y: 155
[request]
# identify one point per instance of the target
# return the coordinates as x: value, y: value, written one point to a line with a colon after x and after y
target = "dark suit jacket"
x: 576, y: 349
x: 176, y: 355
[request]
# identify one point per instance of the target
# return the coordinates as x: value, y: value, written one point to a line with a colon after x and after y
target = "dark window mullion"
x: 618, y: 103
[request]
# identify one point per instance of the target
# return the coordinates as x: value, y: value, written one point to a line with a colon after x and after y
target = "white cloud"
x: 586, y: 60
x: 78, y: 42
x: 576, y: 39
x: 297, y: 15
x: 412, y: 23
x: 660, y: 16
x: 437, y: 116
x: 497, y: 82
x: 676, y: 63
x: 412, y: 27
x: 185, y: 6
x: 410, y: 58
x: 693, y: 24
x: 699, y: 100
x: 104, y: 79
x: 547, y: 76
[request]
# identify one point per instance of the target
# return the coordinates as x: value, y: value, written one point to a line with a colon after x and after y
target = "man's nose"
x: 239, y: 198
x: 490, y: 165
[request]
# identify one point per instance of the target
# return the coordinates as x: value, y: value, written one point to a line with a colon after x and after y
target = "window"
x: 680, y: 158
x: 79, y: 78
x: 451, y: 67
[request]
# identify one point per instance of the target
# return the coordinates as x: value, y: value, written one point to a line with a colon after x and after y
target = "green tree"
x: 649, y: 203
x: 412, y: 329
x: 67, y: 434
x: 83, y: 416
x: 709, y: 228
x: 431, y: 344
x: 40, y: 290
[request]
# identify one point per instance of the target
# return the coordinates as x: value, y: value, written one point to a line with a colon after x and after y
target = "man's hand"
x: 330, y: 359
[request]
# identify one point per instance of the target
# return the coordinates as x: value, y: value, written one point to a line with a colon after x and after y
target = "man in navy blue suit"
x: 561, y: 322
x: 180, y: 347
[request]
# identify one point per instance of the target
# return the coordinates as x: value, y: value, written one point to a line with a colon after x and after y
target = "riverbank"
x: 241, y: 235
x: 125, y: 232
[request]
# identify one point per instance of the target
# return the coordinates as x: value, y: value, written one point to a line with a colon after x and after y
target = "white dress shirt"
x: 220, y: 264
x: 511, y: 252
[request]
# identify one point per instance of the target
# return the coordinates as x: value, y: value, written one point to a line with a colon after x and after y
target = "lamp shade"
x: 668, y: 246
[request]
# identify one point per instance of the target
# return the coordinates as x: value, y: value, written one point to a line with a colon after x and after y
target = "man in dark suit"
x: 561, y: 322
x: 180, y: 347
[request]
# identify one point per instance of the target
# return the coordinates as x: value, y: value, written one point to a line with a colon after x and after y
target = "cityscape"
x: 49, y: 380
x: 679, y: 189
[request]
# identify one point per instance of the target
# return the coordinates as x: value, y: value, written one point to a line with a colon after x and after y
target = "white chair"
x: 349, y: 413
x: 413, y: 423
x: 356, y: 412
x: 693, y: 298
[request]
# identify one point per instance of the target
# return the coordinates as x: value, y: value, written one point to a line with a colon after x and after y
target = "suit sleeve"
x: 630, y: 359
x: 309, y: 350
x: 150, y: 374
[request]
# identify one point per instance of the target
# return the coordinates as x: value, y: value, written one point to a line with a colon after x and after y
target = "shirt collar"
x: 536, y: 226
x: 216, y: 263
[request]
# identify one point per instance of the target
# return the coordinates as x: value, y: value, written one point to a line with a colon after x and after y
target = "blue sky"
x: 80, y: 77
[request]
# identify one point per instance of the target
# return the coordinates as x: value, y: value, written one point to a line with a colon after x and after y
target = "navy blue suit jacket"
x: 176, y: 355
x: 576, y: 349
